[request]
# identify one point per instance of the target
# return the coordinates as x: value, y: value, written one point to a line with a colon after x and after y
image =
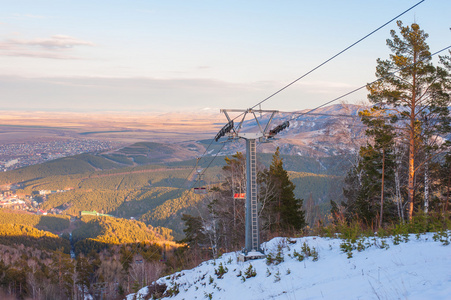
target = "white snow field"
x: 387, y: 269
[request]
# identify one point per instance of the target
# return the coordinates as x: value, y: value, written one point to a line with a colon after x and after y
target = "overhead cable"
x: 314, y: 69
x: 339, y: 53
x: 364, y: 86
x: 328, y: 60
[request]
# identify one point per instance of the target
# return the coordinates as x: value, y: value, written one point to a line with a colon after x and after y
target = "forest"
x: 106, y: 251
x: 156, y: 194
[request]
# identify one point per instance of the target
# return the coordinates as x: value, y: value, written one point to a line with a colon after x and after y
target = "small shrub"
x: 442, y: 236
x: 350, y: 232
x: 315, y: 255
x: 306, y: 252
x: 250, y: 272
x: 405, y: 237
x: 173, y: 290
x: 269, y: 259
x: 382, y: 233
x: 418, y: 224
x: 384, y: 245
x: 298, y: 255
x: 397, y: 239
x: 276, y: 258
x: 279, y: 257
x: 156, y: 290
x: 347, y: 247
x: 221, y: 271
x: 361, y: 245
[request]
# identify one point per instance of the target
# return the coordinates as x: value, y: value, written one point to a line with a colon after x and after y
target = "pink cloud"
x: 54, y: 42
x: 43, y: 48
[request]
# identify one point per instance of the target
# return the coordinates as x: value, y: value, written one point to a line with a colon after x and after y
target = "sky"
x: 196, y: 56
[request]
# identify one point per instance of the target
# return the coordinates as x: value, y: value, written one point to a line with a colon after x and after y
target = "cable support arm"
x: 226, y: 129
x: 278, y: 129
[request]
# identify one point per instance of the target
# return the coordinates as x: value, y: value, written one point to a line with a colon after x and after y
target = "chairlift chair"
x: 239, y: 195
x: 200, y: 190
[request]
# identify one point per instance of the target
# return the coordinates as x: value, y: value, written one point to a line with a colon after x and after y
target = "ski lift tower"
x: 252, y: 248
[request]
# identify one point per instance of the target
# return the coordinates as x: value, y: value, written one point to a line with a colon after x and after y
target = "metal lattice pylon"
x: 252, y: 239
x: 252, y: 226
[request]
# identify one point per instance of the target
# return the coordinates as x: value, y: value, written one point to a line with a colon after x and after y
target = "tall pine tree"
x: 415, y: 90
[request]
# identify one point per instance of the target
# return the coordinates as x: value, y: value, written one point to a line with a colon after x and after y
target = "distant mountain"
x: 328, y: 131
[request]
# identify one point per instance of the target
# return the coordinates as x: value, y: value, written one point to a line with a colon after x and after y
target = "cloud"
x: 37, y: 54
x: 43, y: 48
x: 54, y: 42
x: 29, y: 16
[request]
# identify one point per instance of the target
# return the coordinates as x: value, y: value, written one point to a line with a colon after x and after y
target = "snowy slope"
x: 417, y: 269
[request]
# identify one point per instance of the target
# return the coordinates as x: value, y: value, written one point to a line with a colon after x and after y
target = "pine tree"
x: 414, y: 90
x: 284, y: 211
x: 378, y: 158
x: 84, y: 271
x: 194, y: 232
x: 63, y: 271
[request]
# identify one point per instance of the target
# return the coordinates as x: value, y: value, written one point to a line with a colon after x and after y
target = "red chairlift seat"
x: 239, y: 196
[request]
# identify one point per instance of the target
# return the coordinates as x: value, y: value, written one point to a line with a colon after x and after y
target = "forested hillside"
x: 18, y: 234
x: 103, y: 232
x: 36, y: 263
x: 53, y: 223
x: 158, y: 195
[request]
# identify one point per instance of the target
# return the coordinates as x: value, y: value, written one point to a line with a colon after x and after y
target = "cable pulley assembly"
x: 226, y: 129
x: 279, y: 128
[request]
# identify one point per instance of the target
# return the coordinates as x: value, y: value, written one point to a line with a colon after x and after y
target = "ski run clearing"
x: 402, y: 267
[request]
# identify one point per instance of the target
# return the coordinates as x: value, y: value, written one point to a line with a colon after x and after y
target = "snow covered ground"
x: 386, y: 269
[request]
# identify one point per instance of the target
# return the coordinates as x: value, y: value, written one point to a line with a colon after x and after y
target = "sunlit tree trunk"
x: 382, y: 188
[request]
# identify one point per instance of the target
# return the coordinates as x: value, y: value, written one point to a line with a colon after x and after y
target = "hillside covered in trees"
x: 156, y: 194
x: 104, y: 251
